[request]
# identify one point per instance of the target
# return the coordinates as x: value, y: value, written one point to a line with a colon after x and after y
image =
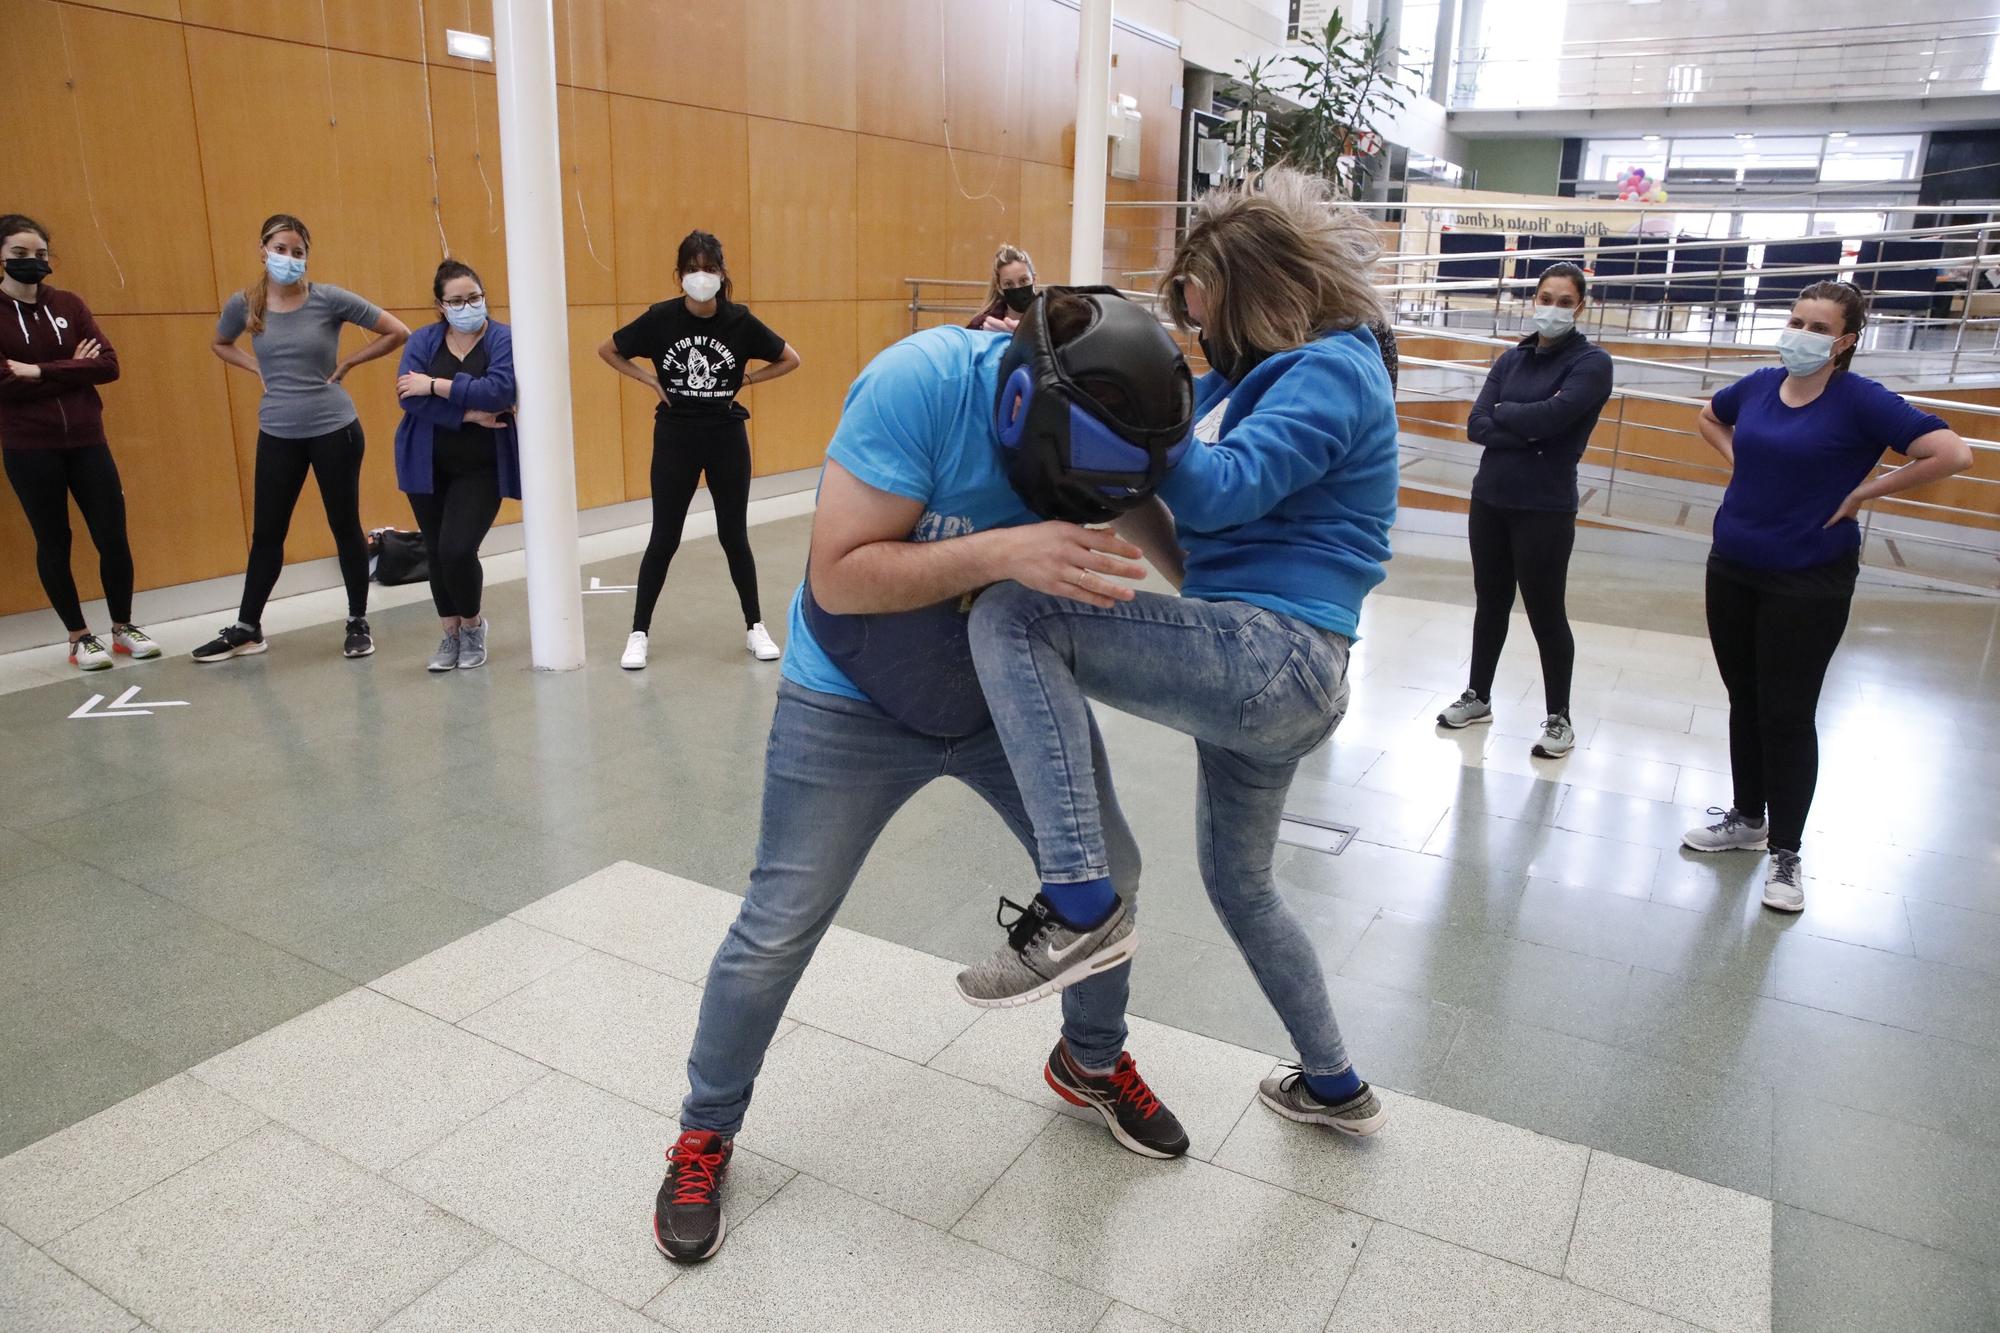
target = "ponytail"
x: 258, y: 294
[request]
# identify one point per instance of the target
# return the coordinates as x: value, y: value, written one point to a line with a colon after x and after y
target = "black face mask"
x: 1232, y: 370
x: 1018, y: 299
x: 27, y: 272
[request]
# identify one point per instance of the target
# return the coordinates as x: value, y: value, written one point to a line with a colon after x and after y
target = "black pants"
x: 334, y: 460
x: 682, y: 453
x: 45, y: 479
x: 1528, y: 548
x: 455, y: 517
x: 1772, y: 650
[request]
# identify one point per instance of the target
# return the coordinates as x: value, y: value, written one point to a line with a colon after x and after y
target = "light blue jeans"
x: 835, y: 771
x: 1257, y: 691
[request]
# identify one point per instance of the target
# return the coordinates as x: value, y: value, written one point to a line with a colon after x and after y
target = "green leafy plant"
x: 1343, y: 87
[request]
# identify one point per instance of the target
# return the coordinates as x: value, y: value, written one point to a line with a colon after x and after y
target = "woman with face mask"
x: 457, y: 452
x: 693, y: 352
x: 1533, y: 418
x: 1010, y: 292
x: 305, y: 423
x: 1802, y: 443
x: 52, y: 358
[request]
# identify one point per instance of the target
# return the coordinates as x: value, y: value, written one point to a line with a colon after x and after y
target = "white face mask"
x: 701, y: 286
x: 1553, y: 321
x: 1804, y: 351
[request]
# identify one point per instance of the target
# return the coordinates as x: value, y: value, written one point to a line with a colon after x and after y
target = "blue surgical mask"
x: 1553, y: 321
x: 284, y: 269
x: 466, y: 319
x: 1804, y: 351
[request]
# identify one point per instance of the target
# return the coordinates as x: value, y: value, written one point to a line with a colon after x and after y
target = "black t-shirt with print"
x: 700, y: 361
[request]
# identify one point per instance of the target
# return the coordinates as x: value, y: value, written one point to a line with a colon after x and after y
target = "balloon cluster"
x: 1641, y: 188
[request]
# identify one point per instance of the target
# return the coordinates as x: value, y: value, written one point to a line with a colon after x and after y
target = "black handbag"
x: 916, y: 666
x: 398, y: 557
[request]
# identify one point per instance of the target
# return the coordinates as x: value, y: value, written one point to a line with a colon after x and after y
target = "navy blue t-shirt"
x: 1794, y: 465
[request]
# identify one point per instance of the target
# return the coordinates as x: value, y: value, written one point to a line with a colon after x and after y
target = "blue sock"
x: 1335, y: 1088
x: 1083, y: 905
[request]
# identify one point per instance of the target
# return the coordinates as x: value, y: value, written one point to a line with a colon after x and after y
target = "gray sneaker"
x: 1043, y: 955
x: 1466, y: 710
x: 446, y: 657
x: 1784, y: 885
x: 1288, y: 1095
x: 472, y: 645
x: 1558, y: 738
x: 1729, y: 834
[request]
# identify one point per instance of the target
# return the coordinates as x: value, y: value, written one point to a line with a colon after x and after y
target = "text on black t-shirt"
x: 700, y: 361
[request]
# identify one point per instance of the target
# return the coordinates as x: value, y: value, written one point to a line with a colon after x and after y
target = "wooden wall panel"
x: 144, y: 188
x: 151, y: 9
x: 902, y: 233
x: 802, y: 223
x: 675, y: 168
x: 582, y: 51
x: 589, y: 233
x: 1048, y: 87
x: 363, y: 185
x: 596, y: 412
x: 793, y: 418
x: 899, y: 91
x: 981, y: 205
x: 983, y: 76
x: 688, y: 53
x: 369, y: 27
x: 877, y: 324
x: 1042, y: 228
x: 799, y: 61
x: 1150, y: 72
x: 635, y: 417
x: 465, y: 119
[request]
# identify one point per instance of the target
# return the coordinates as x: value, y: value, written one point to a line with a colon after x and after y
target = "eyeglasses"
x: 461, y: 302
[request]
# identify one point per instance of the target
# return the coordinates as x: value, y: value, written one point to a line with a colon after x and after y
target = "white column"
x: 538, y: 299
x: 1093, y: 96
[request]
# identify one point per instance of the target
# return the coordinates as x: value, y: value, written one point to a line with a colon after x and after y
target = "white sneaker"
x: 135, y: 643
x: 635, y: 652
x: 1733, y: 832
x: 758, y: 640
x: 1784, y: 884
x: 89, y: 654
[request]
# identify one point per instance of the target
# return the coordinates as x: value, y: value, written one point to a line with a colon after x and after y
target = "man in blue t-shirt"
x: 914, y: 509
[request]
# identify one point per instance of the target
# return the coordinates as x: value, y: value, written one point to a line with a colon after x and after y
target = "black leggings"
x: 1772, y: 650
x: 455, y: 518
x: 45, y: 479
x: 335, y: 462
x: 681, y: 454
x: 1529, y: 548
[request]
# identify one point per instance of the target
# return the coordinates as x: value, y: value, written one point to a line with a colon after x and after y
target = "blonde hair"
x: 1005, y: 255
x: 1279, y: 263
x: 258, y: 293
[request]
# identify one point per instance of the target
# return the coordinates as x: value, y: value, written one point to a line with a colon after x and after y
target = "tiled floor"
x: 1516, y: 947
x: 395, y: 1159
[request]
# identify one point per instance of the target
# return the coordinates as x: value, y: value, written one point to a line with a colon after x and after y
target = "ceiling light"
x: 1837, y: 134
x: 1934, y: 74
x: 1650, y: 138
x: 468, y: 45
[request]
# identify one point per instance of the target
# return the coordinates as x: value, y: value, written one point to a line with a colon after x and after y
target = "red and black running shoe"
x: 1135, y: 1117
x: 687, y: 1216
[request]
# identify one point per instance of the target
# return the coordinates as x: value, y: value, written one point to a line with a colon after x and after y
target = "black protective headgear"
x: 1067, y: 455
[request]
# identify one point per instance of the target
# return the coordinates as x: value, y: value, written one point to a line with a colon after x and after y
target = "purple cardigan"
x: 423, y: 416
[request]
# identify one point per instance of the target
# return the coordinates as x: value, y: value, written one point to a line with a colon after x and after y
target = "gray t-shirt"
x: 296, y: 352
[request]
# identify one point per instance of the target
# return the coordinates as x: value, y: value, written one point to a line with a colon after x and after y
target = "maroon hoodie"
x: 61, y: 410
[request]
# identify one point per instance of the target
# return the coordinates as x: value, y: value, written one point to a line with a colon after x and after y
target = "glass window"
x: 1606, y: 161
x: 1874, y: 157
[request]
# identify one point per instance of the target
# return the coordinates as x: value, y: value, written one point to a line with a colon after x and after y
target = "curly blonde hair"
x: 1278, y: 263
x: 1005, y: 255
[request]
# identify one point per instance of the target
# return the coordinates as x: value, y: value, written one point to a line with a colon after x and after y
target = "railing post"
x: 916, y: 297
x: 1617, y: 443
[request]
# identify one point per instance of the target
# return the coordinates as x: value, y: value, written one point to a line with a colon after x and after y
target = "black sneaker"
x: 232, y: 641
x: 360, y: 642
x: 1135, y: 1117
x: 687, y: 1215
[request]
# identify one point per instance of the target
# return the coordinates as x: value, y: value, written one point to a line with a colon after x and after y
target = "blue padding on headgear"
x: 1017, y: 397
x: 1095, y: 447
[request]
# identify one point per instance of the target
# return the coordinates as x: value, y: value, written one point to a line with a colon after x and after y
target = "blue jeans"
x: 1257, y: 691
x: 835, y: 771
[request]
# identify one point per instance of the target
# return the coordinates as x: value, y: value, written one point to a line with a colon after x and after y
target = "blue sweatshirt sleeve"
x: 1297, y: 431
x: 417, y: 353
x: 1480, y: 427
x: 494, y: 391
x: 1585, y: 390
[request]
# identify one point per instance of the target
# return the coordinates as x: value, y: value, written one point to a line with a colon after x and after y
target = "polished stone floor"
x: 223, y: 925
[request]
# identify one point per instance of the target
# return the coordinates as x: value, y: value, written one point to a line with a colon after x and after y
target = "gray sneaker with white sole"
x: 1465, y: 711
x: 446, y: 657
x: 1288, y: 1095
x: 1044, y: 956
x: 1784, y: 883
x: 1558, y: 738
x: 472, y: 645
x: 1731, y: 833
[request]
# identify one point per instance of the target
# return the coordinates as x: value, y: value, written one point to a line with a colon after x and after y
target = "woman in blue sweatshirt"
x: 1802, y: 444
x: 457, y: 451
x: 1534, y: 416
x: 1284, y: 508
